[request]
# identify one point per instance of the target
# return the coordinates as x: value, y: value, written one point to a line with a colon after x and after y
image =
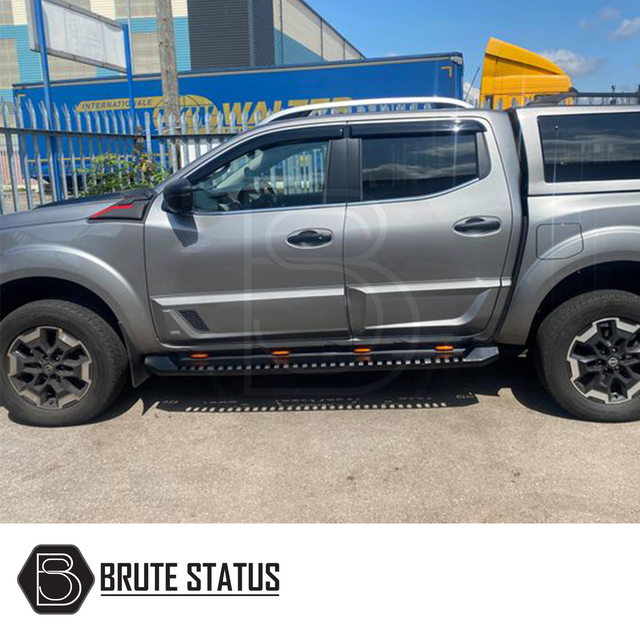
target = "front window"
x: 276, y: 176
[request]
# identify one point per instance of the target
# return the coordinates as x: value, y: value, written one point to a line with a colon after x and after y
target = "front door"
x: 260, y: 259
x: 427, y: 239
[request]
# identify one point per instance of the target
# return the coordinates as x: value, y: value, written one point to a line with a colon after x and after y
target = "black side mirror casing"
x: 178, y: 197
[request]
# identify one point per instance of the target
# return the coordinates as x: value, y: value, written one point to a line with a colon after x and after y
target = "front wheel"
x: 62, y: 364
x: 588, y: 356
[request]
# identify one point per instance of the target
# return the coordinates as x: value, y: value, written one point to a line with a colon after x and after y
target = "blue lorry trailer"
x: 257, y: 91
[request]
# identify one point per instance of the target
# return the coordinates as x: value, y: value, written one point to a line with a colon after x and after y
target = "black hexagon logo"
x: 56, y: 579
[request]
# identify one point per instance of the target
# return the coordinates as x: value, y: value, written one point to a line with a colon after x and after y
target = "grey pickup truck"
x: 343, y: 239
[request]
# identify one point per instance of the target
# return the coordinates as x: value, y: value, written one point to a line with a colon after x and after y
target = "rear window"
x: 414, y: 166
x: 579, y: 148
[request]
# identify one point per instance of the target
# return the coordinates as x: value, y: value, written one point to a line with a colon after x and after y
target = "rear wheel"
x: 588, y: 353
x: 62, y: 364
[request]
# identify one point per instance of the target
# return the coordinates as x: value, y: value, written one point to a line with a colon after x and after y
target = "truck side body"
x: 478, y: 262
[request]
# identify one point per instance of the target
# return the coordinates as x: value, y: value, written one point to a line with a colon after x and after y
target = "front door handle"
x: 310, y: 238
x: 477, y: 226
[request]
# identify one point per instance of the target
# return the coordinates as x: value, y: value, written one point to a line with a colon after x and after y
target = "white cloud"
x: 606, y: 14
x: 572, y: 63
x: 627, y: 29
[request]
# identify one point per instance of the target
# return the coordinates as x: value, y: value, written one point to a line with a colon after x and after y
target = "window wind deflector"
x: 378, y: 130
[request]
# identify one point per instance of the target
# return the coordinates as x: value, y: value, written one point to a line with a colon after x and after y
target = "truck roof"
x: 454, y: 57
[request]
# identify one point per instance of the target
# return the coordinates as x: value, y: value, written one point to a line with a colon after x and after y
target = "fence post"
x: 207, y: 127
x: 114, y: 129
x: 36, y: 146
x: 160, y: 128
x: 81, y: 142
x: 129, y: 119
x: 60, y: 147
x: 22, y: 148
x: 96, y: 119
x: 184, y: 148
x: 196, y: 131
x: 91, y: 141
x: 107, y: 138
x: 10, y: 157
x: 172, y: 144
x: 147, y: 133
x: 1, y: 189
x: 72, y: 151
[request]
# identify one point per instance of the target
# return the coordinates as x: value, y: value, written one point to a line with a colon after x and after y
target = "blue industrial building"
x: 208, y: 34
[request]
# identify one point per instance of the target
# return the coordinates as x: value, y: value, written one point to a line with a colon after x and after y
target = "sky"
x: 597, y: 44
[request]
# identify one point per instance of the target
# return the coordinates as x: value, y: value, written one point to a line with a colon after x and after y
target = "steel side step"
x: 168, y: 365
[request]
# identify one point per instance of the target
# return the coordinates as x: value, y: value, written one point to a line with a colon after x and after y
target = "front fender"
x: 109, y: 263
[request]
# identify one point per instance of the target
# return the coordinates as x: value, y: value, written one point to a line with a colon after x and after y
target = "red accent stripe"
x: 111, y: 208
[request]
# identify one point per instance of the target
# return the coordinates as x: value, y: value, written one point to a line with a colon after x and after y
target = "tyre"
x: 588, y: 356
x: 62, y: 364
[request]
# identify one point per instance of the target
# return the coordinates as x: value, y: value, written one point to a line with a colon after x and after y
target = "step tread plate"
x: 169, y: 365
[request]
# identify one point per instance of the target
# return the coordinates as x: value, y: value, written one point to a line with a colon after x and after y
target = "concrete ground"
x: 482, y: 445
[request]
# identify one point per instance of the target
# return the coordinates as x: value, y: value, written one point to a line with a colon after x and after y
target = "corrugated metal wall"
x: 219, y: 33
x: 301, y: 35
x: 263, y: 33
x: 302, y: 28
x: 333, y: 43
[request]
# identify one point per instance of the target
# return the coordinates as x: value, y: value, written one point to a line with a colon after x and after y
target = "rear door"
x: 427, y: 237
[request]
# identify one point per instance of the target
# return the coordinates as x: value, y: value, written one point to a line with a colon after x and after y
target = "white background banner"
x: 350, y: 581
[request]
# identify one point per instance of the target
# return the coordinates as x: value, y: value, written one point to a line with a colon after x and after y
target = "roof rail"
x: 306, y: 110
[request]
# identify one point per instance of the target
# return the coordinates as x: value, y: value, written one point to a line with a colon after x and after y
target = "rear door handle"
x: 310, y: 238
x: 477, y: 226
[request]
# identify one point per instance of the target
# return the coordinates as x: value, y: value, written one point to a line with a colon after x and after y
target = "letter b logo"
x: 56, y: 579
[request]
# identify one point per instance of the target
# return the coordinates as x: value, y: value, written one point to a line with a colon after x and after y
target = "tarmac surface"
x: 474, y: 445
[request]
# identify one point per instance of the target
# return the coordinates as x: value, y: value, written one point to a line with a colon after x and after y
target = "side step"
x: 334, y: 362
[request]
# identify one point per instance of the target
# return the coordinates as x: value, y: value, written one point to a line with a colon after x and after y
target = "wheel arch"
x: 16, y: 293
x: 523, y: 322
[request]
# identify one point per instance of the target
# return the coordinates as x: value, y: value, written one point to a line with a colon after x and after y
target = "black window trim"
x: 407, y: 129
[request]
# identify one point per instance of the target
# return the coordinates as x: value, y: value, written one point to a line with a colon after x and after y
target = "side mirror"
x: 178, y: 196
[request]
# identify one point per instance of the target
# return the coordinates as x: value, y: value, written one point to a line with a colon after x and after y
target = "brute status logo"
x: 56, y: 579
